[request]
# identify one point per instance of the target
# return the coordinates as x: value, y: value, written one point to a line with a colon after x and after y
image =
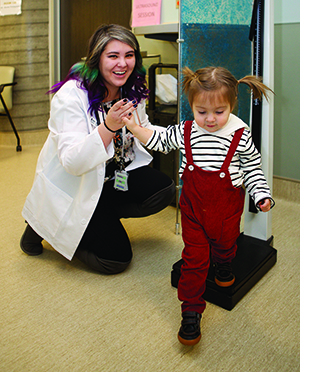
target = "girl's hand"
x: 143, y: 134
x: 130, y: 122
x: 264, y: 205
x: 121, y: 109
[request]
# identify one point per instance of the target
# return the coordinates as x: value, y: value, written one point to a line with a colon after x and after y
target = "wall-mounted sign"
x: 10, y: 7
x: 146, y: 13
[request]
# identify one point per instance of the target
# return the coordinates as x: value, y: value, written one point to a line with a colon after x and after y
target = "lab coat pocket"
x: 48, y: 203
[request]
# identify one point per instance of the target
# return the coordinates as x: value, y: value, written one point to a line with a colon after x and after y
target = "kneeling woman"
x: 91, y: 172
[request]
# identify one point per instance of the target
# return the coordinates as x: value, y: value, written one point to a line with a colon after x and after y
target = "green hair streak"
x: 84, y: 71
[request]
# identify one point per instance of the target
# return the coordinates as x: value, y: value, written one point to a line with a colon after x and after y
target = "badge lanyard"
x: 121, y: 175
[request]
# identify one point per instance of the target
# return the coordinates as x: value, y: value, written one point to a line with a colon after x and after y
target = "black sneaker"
x: 223, y: 275
x: 189, y: 332
x: 31, y: 242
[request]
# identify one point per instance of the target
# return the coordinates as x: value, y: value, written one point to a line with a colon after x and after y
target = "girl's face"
x: 211, y: 113
x: 116, y: 64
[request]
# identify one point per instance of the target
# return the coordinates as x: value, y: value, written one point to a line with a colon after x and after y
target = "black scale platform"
x: 253, y: 260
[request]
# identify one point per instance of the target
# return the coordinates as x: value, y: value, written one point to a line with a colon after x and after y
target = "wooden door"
x: 79, y: 19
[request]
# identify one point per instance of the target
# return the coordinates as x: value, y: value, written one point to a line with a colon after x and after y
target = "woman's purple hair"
x: 87, y: 73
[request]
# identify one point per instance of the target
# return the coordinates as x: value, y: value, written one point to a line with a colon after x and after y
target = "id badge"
x: 121, y: 180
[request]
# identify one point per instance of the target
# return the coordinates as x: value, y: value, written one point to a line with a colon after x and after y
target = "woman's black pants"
x: 105, y: 246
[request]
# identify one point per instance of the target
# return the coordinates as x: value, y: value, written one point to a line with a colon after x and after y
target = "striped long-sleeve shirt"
x: 210, y: 149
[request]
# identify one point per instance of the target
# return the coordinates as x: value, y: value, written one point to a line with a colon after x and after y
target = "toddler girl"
x: 219, y: 157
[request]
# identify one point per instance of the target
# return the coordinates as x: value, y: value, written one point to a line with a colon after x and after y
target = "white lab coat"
x: 70, y: 171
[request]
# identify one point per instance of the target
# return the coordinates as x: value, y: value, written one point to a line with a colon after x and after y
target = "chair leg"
x: 18, y: 147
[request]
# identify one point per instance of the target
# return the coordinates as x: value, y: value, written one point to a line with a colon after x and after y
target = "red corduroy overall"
x: 211, y: 210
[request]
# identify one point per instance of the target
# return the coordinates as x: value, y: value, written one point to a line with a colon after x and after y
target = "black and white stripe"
x: 209, y: 151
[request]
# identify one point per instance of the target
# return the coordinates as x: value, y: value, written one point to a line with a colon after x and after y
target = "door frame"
x: 54, y: 42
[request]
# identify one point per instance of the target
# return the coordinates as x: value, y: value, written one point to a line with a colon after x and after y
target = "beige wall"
x: 24, y: 45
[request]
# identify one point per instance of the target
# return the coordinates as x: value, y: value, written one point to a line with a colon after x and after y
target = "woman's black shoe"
x: 189, y: 332
x: 31, y: 242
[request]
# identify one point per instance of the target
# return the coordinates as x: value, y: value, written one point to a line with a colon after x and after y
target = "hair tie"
x: 113, y: 131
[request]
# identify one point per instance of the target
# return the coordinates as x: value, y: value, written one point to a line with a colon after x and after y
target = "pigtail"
x: 257, y: 87
x: 189, y: 76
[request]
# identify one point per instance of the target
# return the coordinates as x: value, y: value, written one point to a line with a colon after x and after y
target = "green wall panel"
x: 217, y: 45
x: 237, y: 12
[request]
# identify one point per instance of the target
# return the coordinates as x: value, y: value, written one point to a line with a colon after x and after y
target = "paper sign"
x: 146, y: 13
x: 10, y: 7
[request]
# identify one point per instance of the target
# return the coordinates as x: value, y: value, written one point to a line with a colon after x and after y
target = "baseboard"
x: 286, y: 188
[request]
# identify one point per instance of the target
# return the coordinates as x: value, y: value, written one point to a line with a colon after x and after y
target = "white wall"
x: 169, y: 13
x: 287, y: 11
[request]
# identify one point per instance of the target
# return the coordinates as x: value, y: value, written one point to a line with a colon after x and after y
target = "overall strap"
x: 235, y: 141
x: 187, y: 131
